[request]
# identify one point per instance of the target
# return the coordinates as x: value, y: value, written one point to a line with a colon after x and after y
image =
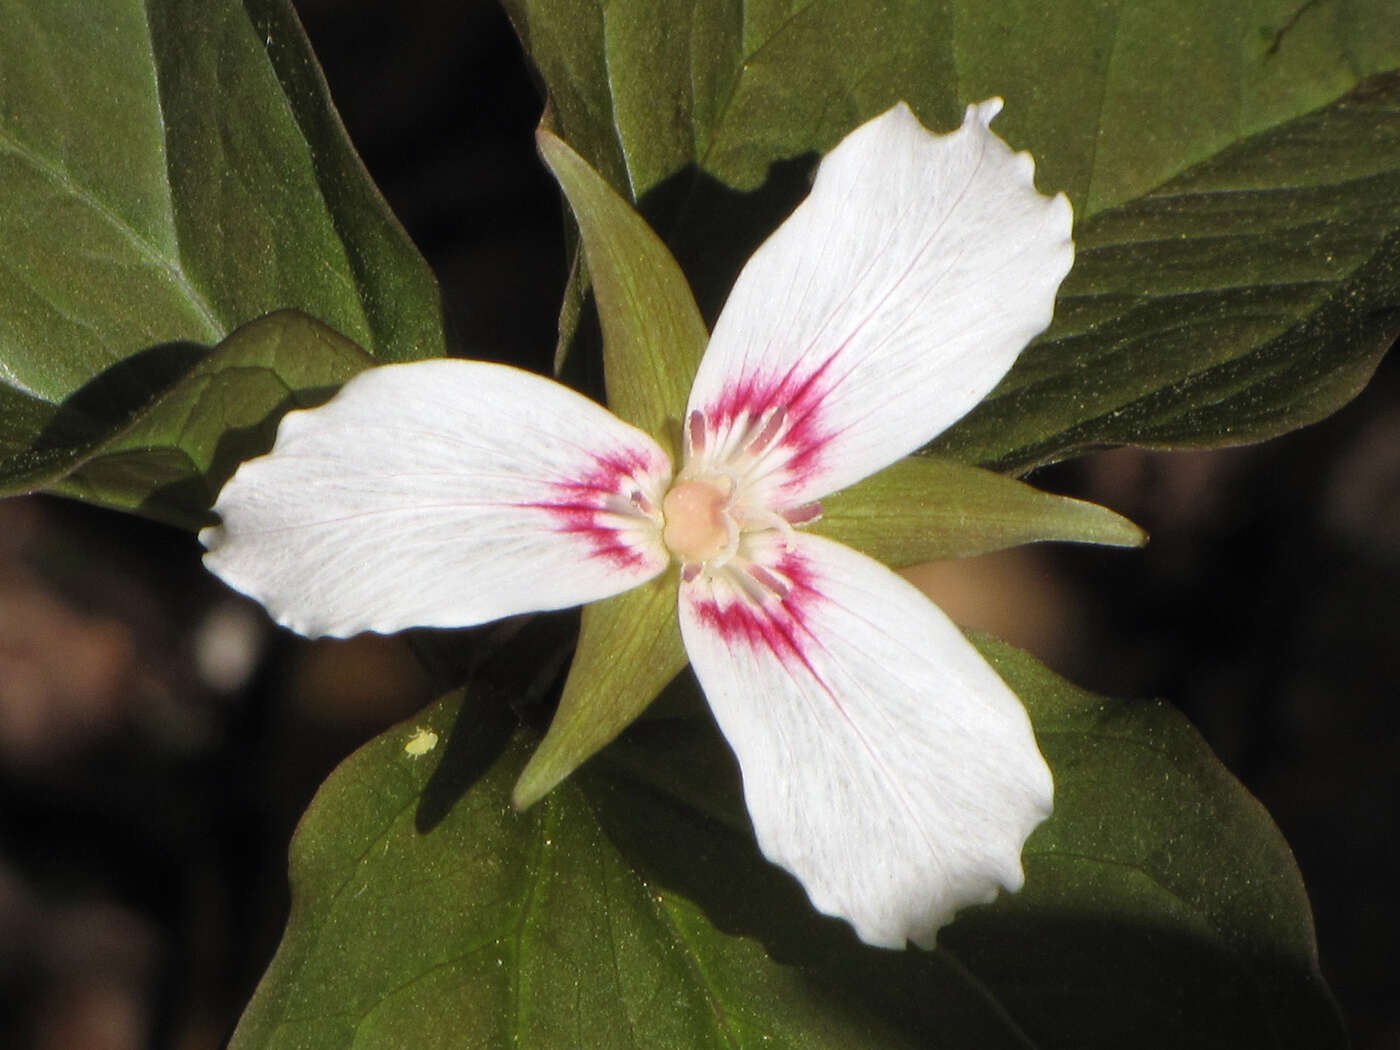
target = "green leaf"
x: 630, y: 908
x: 1252, y: 295
x: 653, y: 335
x: 1152, y: 834
x: 923, y: 508
x: 166, y: 453
x: 489, y: 928
x: 170, y: 170
x: 1112, y: 98
x: 1233, y: 172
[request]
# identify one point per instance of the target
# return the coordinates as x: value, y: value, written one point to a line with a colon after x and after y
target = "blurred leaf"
x: 169, y: 170
x: 630, y: 908
x: 167, y: 453
x: 1238, y: 211
x: 923, y: 508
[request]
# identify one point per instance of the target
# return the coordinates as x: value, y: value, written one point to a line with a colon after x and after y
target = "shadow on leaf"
x: 521, y: 663
x: 188, y: 501
x: 712, y: 229
x: 1064, y: 963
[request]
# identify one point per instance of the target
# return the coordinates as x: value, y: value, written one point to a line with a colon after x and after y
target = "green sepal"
x: 629, y: 648
x: 924, y: 508
x: 653, y: 335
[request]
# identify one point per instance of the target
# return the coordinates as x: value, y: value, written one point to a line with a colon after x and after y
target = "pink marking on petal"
x: 795, y: 399
x: 759, y: 443
x: 779, y: 624
x: 588, y: 507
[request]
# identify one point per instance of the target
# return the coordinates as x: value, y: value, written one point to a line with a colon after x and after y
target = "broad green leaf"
x: 490, y: 928
x: 1152, y: 834
x: 923, y: 508
x: 170, y: 170
x: 653, y: 335
x: 1113, y: 98
x: 1247, y: 297
x: 631, y: 909
x: 167, y: 452
x: 1233, y: 172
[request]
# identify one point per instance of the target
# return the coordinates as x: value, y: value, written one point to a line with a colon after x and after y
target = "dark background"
x: 158, y: 739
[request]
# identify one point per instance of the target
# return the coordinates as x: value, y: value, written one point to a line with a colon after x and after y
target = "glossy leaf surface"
x: 168, y: 172
x: 630, y: 908
x: 1232, y: 167
x: 1247, y: 297
x: 166, y: 452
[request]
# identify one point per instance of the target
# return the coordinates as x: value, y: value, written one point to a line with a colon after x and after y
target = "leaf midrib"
x: 174, y: 268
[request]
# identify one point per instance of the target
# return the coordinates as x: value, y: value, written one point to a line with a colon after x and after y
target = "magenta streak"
x: 581, y: 509
x: 800, y: 397
x: 778, y: 625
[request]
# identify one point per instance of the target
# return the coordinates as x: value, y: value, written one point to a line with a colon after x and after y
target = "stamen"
x: 695, y: 435
x: 761, y: 520
x: 632, y: 506
x: 802, y: 515
x: 732, y: 532
x: 768, y: 433
x: 769, y: 581
x: 613, y: 503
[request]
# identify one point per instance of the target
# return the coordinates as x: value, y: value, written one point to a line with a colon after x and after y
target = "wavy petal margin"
x: 885, y: 763
x: 888, y: 305
x: 441, y: 493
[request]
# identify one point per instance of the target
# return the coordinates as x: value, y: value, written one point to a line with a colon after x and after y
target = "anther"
x: 804, y: 514
x: 768, y: 433
x: 769, y: 581
x: 695, y: 435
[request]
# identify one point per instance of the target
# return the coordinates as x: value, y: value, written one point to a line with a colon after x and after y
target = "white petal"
x: 890, y: 302
x: 441, y: 493
x: 885, y: 764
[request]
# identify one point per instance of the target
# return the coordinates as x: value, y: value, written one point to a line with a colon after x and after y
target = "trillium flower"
x: 885, y: 764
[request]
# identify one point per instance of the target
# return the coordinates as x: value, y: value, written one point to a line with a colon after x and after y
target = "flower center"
x: 697, y: 524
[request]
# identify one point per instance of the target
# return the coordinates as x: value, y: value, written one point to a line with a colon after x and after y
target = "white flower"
x: 884, y: 762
